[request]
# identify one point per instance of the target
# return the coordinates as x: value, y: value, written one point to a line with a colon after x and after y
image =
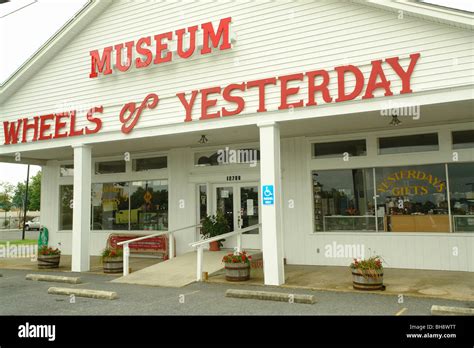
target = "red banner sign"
x: 152, y: 244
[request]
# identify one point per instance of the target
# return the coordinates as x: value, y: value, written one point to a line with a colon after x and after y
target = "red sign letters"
x: 60, y: 125
x: 156, y: 49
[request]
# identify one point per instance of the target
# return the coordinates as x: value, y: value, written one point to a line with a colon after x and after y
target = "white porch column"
x: 270, y: 175
x: 81, y: 208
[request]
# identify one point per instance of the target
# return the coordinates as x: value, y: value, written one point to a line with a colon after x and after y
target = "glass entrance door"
x: 240, y: 205
x: 225, y: 204
x: 249, y: 215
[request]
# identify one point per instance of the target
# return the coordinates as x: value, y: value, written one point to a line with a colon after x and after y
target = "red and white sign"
x: 159, y: 49
x: 223, y: 101
x: 157, y: 244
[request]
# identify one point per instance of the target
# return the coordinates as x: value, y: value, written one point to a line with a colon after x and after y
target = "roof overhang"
x: 51, y: 47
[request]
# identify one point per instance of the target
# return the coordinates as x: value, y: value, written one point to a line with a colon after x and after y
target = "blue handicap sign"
x: 267, y: 194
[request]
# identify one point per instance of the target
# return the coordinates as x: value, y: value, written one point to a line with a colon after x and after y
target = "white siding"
x: 274, y: 38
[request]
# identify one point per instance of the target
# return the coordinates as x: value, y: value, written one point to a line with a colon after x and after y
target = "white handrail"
x: 200, y: 246
x: 224, y: 236
x: 171, y: 247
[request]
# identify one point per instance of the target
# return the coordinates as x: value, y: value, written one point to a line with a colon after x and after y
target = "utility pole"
x: 26, y: 202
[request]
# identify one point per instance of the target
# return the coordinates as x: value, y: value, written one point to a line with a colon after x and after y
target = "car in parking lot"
x: 33, y: 224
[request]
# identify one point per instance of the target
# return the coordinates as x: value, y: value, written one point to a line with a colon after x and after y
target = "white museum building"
x: 325, y: 124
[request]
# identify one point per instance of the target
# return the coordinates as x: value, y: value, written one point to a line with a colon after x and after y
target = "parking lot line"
x: 401, y: 311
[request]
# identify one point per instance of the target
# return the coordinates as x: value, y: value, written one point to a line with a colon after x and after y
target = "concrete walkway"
x: 422, y: 283
x: 136, y: 264
x: 177, y: 272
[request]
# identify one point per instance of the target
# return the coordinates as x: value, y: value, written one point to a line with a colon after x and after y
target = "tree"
x: 19, y: 195
x: 34, y: 193
x: 6, y: 190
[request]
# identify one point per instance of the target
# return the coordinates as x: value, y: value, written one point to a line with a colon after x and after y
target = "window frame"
x: 379, y: 149
x: 329, y: 157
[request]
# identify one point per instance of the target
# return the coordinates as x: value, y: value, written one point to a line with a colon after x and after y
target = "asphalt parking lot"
x: 25, y: 297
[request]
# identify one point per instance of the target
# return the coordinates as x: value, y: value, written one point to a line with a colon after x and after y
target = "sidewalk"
x: 449, y: 285
x: 136, y: 264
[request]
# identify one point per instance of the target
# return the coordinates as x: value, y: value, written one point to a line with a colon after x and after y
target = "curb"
x: 52, y: 278
x: 445, y: 310
x: 271, y: 296
x: 97, y: 294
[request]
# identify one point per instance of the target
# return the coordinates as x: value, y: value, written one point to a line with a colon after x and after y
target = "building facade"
x: 344, y: 128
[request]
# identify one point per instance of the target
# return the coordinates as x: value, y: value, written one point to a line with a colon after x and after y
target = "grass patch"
x: 19, y: 241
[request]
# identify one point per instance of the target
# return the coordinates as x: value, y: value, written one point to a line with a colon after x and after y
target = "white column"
x: 270, y: 174
x: 81, y: 208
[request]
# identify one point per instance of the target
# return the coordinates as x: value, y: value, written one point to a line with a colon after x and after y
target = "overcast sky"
x: 25, y: 25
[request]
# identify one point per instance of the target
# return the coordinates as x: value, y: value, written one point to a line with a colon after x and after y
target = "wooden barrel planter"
x: 367, y: 280
x: 237, y: 272
x: 48, y: 261
x: 113, y: 264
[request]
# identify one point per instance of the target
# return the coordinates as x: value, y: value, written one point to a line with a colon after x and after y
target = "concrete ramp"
x: 177, y: 272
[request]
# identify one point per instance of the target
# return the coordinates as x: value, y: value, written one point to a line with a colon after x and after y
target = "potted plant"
x: 48, y: 257
x: 112, y: 260
x: 367, y: 274
x: 212, y: 226
x: 237, y: 266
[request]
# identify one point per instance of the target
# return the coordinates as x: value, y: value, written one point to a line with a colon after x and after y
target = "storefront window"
x: 66, y: 194
x: 149, y: 205
x: 152, y: 163
x: 463, y: 139
x: 461, y: 192
x: 110, y: 206
x: 408, y: 143
x: 413, y: 198
x: 343, y: 200
x: 339, y: 148
x: 66, y: 170
x: 110, y: 167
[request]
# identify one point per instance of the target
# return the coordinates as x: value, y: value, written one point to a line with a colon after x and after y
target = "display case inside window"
x: 343, y: 200
x: 413, y: 199
x: 461, y: 187
x: 149, y: 205
x: 110, y: 206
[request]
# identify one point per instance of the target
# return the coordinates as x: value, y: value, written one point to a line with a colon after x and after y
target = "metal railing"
x: 171, y: 246
x: 199, y: 245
